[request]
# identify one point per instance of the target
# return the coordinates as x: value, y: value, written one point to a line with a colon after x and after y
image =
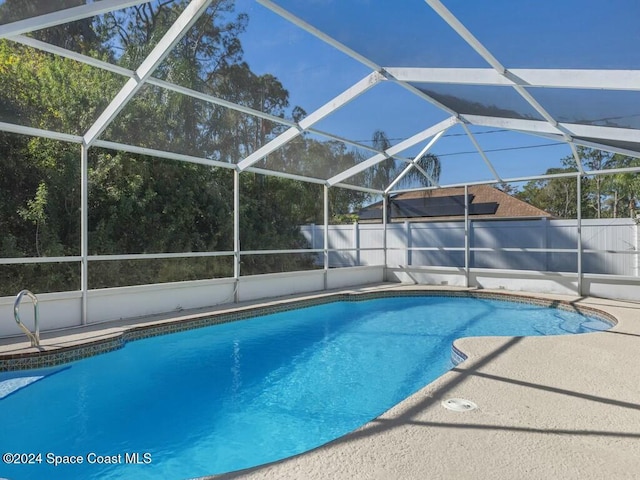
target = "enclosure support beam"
x: 306, y: 123
x: 84, y: 230
x: 183, y: 23
x: 414, y: 163
x: 481, y: 152
x: 347, y: 51
x: 576, y: 157
x: 385, y: 208
x: 325, y: 236
x: 394, y: 150
x: 607, y: 148
x: 539, y: 127
x: 317, y: 33
x: 637, y: 244
x: 544, y: 78
x: 67, y: 15
x: 466, y: 236
x: 466, y: 35
x: 516, y: 83
x: 236, y: 236
x: 579, y: 227
x: 578, y: 132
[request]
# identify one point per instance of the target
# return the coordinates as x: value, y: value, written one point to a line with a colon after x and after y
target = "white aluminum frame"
x: 498, y: 75
x: 328, y: 108
x: 393, y: 151
x: 67, y: 15
x: 524, y: 81
x: 524, y: 77
x: 182, y: 24
x: 414, y: 162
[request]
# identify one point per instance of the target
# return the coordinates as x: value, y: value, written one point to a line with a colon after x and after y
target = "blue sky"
x: 520, y: 34
x: 535, y: 34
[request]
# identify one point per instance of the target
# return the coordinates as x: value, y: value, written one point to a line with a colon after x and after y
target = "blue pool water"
x: 240, y: 394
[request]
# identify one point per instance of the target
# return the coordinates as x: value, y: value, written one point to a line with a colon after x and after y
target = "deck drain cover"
x: 459, y: 404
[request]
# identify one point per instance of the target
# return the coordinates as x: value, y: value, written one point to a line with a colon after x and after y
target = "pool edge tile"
x: 57, y: 355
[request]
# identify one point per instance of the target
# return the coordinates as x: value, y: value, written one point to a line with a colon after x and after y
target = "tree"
x: 139, y: 204
x: 209, y: 45
x: 77, y: 35
x: 558, y: 196
x: 43, y: 175
x: 597, y: 186
x: 386, y: 172
x: 625, y: 188
x: 603, y: 196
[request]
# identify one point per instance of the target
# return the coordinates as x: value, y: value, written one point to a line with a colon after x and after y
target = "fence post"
x: 326, y: 237
x: 545, y: 224
x: 356, y: 242
x: 466, y: 236
x: 408, y: 242
x: 579, y: 227
x: 312, y: 226
x: 385, y: 201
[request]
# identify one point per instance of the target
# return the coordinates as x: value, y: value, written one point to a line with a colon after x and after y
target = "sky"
x: 531, y: 34
x: 408, y: 33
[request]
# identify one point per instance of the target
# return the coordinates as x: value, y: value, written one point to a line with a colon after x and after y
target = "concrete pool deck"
x: 564, y: 407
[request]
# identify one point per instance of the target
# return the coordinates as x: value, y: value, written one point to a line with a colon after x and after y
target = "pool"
x: 244, y: 393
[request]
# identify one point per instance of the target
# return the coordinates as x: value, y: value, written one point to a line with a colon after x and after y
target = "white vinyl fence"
x: 609, y: 246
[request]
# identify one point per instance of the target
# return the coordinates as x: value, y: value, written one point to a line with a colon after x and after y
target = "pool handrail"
x: 35, y: 336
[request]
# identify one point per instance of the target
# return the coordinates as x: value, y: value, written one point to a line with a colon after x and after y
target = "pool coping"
x: 69, y: 345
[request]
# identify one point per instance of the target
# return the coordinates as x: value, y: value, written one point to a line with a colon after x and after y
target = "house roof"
x: 485, y: 202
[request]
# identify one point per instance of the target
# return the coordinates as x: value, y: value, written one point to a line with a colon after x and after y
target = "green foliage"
x: 77, y: 35
x: 604, y: 196
x: 53, y: 93
x: 558, y: 196
x: 424, y: 171
x: 139, y: 204
x: 39, y: 278
x: 35, y: 212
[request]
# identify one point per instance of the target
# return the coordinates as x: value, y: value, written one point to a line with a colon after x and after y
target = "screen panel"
x: 402, y: 33
x: 387, y: 109
x: 379, y: 176
x: 141, y: 204
x: 314, y: 156
x: 164, y: 120
x: 14, y: 11
x: 262, y: 61
x: 568, y: 34
x: 611, y: 108
x: 489, y: 101
x: 52, y: 93
x: 629, y: 146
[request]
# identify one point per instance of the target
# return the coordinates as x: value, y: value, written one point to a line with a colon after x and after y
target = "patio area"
x: 548, y: 407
